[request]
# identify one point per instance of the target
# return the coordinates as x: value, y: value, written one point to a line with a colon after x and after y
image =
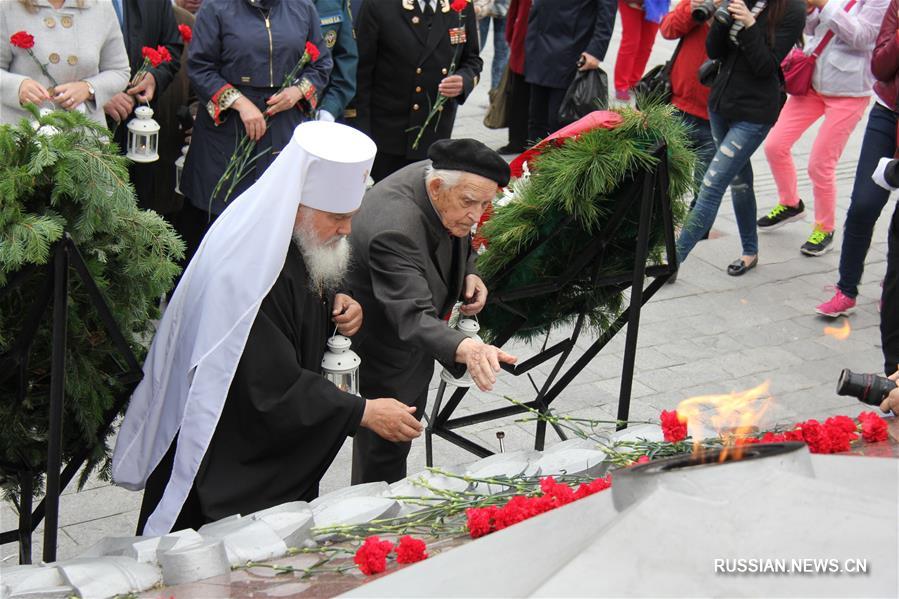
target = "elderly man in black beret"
x: 412, y: 262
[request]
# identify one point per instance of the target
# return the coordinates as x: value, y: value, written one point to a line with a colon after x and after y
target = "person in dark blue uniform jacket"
x: 560, y: 32
x: 339, y: 38
x: 240, y: 53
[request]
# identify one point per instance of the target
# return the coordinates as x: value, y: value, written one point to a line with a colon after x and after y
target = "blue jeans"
x: 868, y: 198
x: 736, y: 141
x: 500, y: 47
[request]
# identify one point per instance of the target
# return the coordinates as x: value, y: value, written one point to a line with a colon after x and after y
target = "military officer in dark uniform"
x: 406, y: 48
x: 338, y: 36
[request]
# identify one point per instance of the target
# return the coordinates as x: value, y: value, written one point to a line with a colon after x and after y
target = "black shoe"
x: 510, y: 149
x: 818, y: 244
x: 738, y: 267
x: 781, y: 215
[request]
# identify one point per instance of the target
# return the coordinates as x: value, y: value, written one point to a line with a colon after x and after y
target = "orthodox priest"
x: 412, y: 262
x: 232, y: 415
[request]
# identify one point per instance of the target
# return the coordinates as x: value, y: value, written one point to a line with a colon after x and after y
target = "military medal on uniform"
x: 457, y: 35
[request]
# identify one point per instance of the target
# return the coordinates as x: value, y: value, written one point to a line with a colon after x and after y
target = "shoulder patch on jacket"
x: 331, y: 19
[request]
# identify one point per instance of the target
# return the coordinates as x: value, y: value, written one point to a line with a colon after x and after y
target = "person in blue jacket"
x: 240, y: 53
x: 564, y: 36
x: 338, y: 36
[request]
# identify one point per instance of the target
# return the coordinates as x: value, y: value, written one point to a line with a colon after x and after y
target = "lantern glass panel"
x: 345, y: 381
x: 153, y: 139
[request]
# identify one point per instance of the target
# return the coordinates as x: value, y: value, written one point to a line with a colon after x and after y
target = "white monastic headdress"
x: 204, y: 330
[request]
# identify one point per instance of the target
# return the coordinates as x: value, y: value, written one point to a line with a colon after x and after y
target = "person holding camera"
x: 689, y: 97
x: 840, y: 91
x: 749, y: 42
x: 867, y: 198
x: 891, y: 403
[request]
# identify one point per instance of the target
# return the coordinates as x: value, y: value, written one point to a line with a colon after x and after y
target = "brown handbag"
x: 497, y: 116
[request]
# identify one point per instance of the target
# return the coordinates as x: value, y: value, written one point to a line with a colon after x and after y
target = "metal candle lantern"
x: 340, y: 364
x: 179, y: 168
x: 471, y: 328
x: 143, y: 136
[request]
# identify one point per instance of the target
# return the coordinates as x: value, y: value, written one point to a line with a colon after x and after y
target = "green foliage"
x: 67, y: 177
x: 582, y: 179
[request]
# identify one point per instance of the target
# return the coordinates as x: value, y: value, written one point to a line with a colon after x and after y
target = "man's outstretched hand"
x: 483, y: 361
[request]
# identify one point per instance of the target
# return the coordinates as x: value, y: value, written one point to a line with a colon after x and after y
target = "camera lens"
x: 867, y: 388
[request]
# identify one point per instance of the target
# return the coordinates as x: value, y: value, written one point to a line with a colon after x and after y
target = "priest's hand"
x: 891, y: 403
x: 474, y: 294
x: 391, y: 419
x: 482, y: 361
x: 347, y: 315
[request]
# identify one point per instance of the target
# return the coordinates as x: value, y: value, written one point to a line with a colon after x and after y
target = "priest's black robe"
x: 282, y: 424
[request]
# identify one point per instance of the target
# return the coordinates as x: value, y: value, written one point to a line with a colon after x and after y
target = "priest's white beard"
x: 326, y: 262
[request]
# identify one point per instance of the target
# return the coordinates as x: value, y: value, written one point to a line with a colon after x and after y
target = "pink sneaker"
x: 839, y: 305
x: 623, y: 95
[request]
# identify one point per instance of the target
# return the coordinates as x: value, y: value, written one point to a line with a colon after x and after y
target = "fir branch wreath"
x: 59, y: 173
x: 579, y: 179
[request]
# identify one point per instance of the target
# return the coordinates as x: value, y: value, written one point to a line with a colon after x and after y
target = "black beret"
x: 470, y: 156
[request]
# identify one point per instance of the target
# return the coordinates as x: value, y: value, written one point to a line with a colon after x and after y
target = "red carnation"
x: 186, y: 33
x: 480, y: 520
x: 844, y: 422
x: 410, y: 550
x: 840, y: 439
x: 22, y: 39
x: 874, y: 428
x: 673, y: 427
x: 459, y: 5
x: 152, y: 55
x: 164, y: 54
x: 561, y: 494
x: 815, y: 436
x: 595, y: 486
x: 371, y: 557
x: 793, y: 435
x: 312, y: 51
x: 770, y: 437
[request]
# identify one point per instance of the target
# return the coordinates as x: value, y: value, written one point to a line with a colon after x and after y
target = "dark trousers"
x: 519, y: 104
x: 193, y: 223
x: 387, y: 164
x: 868, y: 198
x: 889, y: 310
x: 376, y: 459
x: 543, y: 114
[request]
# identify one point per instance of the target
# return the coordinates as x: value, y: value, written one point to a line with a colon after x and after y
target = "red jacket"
x: 885, y: 61
x: 687, y: 93
x: 516, y: 32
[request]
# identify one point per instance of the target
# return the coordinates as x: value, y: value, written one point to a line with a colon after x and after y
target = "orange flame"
x: 841, y: 333
x: 732, y: 415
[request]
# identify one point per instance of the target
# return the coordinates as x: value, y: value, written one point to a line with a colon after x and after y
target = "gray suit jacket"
x: 407, y: 273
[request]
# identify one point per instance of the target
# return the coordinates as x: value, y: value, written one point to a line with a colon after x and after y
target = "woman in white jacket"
x: 841, y: 88
x: 79, y: 41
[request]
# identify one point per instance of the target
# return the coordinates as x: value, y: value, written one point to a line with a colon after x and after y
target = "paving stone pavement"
x: 708, y: 333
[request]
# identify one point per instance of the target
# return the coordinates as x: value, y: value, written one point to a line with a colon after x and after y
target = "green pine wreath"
x: 59, y: 173
x: 580, y: 179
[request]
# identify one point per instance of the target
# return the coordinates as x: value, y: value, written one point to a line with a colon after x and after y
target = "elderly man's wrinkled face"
x: 322, y: 239
x: 460, y: 207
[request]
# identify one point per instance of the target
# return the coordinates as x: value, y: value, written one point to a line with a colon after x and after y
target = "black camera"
x: 722, y: 15
x: 704, y: 11
x: 867, y: 388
